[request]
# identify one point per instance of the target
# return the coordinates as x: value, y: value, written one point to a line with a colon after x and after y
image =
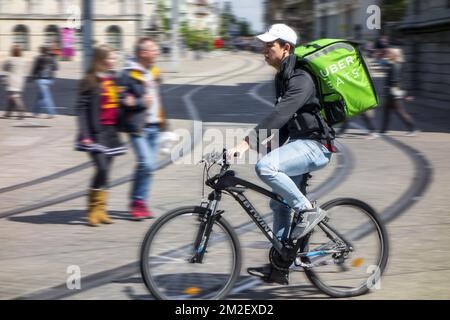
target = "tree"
x: 244, y: 28
x: 227, y: 19
x: 196, y: 39
x: 162, y: 9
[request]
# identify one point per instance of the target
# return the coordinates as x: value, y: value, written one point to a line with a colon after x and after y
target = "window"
x: 114, y: 37
x: 21, y: 37
x: 78, y: 39
x: 52, y: 35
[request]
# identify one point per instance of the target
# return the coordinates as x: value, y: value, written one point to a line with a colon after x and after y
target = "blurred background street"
x: 214, y: 78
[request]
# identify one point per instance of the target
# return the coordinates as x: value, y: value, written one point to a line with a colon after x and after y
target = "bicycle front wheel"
x: 359, y: 241
x: 167, y: 251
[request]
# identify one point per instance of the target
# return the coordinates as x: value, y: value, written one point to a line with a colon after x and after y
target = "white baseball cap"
x: 279, y: 31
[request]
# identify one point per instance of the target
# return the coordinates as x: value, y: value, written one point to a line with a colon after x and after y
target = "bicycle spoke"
x: 172, y: 275
x: 347, y: 271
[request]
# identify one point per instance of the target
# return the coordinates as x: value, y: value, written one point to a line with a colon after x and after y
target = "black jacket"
x: 44, y: 67
x: 132, y: 82
x: 88, y: 109
x: 296, y: 113
x: 393, y: 74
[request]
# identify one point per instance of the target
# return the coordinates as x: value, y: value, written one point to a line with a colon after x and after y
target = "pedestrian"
x: 371, y: 131
x: 15, y: 80
x: 143, y: 121
x: 55, y: 50
x: 43, y: 71
x: 98, y: 110
x: 395, y: 95
x: 381, y: 46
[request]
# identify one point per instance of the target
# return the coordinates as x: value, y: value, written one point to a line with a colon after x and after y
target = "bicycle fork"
x: 204, y: 230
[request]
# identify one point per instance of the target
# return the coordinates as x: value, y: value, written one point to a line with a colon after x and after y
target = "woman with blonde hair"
x: 395, y: 95
x: 15, y: 69
x: 98, y: 108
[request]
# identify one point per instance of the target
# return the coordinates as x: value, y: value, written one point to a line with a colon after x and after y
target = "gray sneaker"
x: 310, y: 218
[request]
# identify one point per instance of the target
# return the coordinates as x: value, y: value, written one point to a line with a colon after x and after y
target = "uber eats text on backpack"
x: 343, y: 80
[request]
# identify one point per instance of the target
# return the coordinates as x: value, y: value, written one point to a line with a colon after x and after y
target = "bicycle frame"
x: 226, y: 181
x: 235, y: 187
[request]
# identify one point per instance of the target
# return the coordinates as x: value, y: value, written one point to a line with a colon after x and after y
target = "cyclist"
x: 309, y: 147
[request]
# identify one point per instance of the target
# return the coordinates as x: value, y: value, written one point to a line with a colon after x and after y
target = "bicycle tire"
x: 333, y: 291
x: 149, y: 279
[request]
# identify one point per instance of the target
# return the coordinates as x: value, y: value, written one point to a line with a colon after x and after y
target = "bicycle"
x: 194, y: 253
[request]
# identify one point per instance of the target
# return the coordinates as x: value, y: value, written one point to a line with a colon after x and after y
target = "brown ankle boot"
x: 103, y: 214
x: 94, y: 210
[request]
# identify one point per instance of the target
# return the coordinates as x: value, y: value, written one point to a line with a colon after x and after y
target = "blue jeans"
x: 44, y: 97
x: 282, y: 169
x: 146, y: 149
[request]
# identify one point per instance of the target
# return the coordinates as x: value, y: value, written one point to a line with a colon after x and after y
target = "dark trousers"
x: 396, y: 105
x: 102, y: 164
x: 364, y: 117
x: 15, y: 102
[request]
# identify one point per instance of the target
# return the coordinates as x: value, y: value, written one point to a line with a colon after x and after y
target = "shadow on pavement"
x: 31, y: 126
x: 66, y: 217
x: 279, y: 292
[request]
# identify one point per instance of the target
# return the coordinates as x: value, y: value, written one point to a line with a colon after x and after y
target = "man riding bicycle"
x: 309, y: 141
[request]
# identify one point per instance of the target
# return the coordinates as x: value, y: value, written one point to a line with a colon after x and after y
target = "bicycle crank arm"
x: 317, y: 264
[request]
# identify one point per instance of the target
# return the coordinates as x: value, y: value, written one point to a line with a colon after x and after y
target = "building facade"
x: 315, y: 19
x: 425, y: 40
x: 346, y: 19
x: 33, y: 23
x: 199, y: 14
x: 202, y: 15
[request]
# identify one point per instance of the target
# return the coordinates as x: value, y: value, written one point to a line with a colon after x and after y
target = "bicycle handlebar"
x: 218, y: 157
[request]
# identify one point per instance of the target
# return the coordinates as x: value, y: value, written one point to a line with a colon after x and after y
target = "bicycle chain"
x: 277, y: 262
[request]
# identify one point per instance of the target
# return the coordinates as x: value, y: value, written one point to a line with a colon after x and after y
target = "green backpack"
x: 342, y: 77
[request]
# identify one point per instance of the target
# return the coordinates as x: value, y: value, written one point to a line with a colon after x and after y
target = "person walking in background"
x: 43, y: 71
x: 55, y: 50
x: 371, y: 131
x: 15, y: 79
x: 381, y: 46
x: 98, y: 109
x: 143, y: 120
x: 395, y: 95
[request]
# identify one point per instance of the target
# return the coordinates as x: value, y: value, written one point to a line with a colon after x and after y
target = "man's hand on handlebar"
x: 238, y: 151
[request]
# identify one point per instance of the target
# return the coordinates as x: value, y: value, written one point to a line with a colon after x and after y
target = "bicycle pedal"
x: 300, y: 267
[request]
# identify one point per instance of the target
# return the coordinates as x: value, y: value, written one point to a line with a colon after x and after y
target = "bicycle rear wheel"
x: 350, y: 272
x: 166, y: 265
